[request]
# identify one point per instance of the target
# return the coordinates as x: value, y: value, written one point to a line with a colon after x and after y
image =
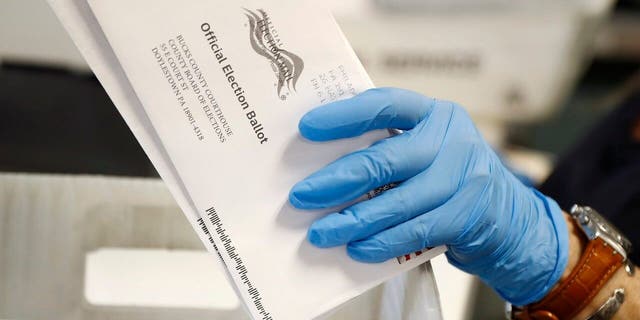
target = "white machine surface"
x: 31, y: 33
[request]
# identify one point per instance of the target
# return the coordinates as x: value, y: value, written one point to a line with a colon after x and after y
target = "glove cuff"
x: 533, y: 255
x: 559, y: 223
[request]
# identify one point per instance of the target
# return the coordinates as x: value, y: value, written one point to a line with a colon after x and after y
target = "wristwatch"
x: 607, y: 250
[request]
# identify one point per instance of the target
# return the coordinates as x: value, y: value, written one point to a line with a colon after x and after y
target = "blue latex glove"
x: 454, y: 191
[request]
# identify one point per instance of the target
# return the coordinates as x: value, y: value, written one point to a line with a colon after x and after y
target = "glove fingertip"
x: 295, y: 202
x: 316, y: 238
x: 298, y: 194
x: 309, y: 129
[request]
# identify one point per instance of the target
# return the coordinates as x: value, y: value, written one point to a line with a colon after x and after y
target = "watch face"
x: 595, y: 225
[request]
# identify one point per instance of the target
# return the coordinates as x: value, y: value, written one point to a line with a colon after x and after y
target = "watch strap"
x: 596, y: 266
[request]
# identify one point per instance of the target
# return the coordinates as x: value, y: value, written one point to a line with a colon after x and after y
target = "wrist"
x: 577, y: 244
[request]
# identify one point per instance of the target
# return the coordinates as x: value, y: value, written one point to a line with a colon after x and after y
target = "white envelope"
x: 213, y: 91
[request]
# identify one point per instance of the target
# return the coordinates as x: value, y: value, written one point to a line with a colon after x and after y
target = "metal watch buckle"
x: 508, y: 311
x: 606, y: 311
x: 610, y: 307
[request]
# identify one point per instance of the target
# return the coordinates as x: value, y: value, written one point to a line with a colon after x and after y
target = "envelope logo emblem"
x: 266, y: 42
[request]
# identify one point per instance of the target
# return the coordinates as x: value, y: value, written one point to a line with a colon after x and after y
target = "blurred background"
x: 536, y: 76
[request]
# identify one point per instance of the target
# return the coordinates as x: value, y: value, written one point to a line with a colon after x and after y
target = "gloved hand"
x: 453, y: 190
